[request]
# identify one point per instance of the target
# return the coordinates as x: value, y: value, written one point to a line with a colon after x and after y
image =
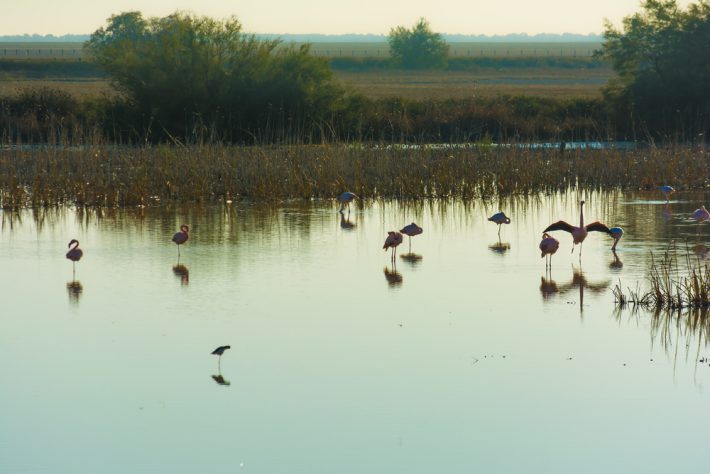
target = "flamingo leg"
x: 410, y: 244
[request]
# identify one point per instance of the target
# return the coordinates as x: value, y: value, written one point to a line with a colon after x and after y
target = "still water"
x: 461, y: 358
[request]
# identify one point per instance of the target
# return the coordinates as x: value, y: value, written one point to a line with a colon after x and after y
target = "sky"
x: 489, y: 17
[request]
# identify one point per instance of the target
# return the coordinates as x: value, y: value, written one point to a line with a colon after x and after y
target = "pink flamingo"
x: 393, y: 240
x: 578, y: 233
x: 74, y: 254
x: 499, y: 218
x: 548, y: 246
x: 701, y: 214
x: 411, y: 230
x: 181, y: 237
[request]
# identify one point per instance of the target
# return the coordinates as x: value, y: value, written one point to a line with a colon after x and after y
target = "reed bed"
x: 672, y: 287
x: 118, y: 176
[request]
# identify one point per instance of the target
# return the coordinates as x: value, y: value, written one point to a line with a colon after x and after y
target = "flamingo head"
x: 185, y: 228
x: 72, y: 242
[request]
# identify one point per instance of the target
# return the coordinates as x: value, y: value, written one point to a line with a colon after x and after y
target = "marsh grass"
x: 115, y: 176
x: 673, y: 286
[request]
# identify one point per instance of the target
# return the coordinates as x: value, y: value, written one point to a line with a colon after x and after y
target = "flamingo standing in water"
x: 181, y: 237
x: 667, y: 191
x: 411, y: 230
x: 74, y: 254
x: 393, y: 240
x: 616, y: 233
x: 701, y: 214
x: 578, y: 233
x: 499, y: 218
x: 218, y: 352
x: 345, y: 198
x: 548, y: 246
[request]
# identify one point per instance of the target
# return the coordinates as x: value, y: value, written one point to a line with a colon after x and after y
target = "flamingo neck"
x: 581, y: 215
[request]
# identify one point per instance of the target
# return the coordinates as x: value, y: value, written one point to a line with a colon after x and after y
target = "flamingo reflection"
x: 74, y: 290
x: 393, y: 277
x: 345, y: 223
x: 182, y: 272
x: 499, y: 247
x: 548, y: 287
x: 580, y: 282
x: 411, y: 258
x: 616, y: 264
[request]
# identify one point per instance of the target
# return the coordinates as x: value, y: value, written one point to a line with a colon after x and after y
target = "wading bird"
x: 578, y: 233
x: 181, y: 237
x: 345, y: 198
x: 74, y: 254
x: 548, y: 246
x: 667, y: 191
x: 616, y: 233
x: 393, y: 240
x: 411, y: 230
x: 499, y: 218
x: 701, y: 214
x: 218, y: 352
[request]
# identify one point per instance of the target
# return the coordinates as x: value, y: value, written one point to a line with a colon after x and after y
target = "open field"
x: 422, y: 85
x: 75, y: 51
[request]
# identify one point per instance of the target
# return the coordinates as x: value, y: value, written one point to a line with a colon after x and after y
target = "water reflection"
x: 580, y: 282
x: 499, y: 247
x: 393, y: 277
x: 616, y: 263
x: 345, y: 223
x: 74, y: 290
x: 700, y: 250
x: 548, y: 287
x: 412, y: 258
x: 221, y: 380
x: 182, y: 272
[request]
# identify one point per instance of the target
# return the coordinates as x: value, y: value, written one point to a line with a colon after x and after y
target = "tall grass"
x: 104, y: 175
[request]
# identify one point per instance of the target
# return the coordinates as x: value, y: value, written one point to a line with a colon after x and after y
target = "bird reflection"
x: 183, y: 273
x: 581, y: 282
x: 616, y: 264
x: 667, y: 211
x: 74, y: 290
x: 548, y: 287
x: 412, y: 258
x: 393, y: 277
x: 345, y: 223
x: 700, y: 251
x: 221, y: 380
x: 499, y: 247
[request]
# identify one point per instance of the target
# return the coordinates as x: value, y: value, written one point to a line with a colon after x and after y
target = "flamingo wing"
x: 597, y: 227
x: 560, y: 225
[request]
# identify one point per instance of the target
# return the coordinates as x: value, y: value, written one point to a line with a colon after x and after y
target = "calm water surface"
x: 463, y: 358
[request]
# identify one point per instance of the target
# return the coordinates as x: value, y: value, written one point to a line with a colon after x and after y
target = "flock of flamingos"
x: 548, y: 245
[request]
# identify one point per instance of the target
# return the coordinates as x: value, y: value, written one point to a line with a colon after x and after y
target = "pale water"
x: 463, y: 358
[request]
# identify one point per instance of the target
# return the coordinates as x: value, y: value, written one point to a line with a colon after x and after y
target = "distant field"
x: 477, y: 49
x: 421, y: 85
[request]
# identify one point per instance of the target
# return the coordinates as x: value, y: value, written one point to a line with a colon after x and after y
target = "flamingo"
x: 393, y: 240
x: 74, y: 254
x: 218, y: 352
x: 701, y: 214
x: 345, y: 198
x: 578, y: 233
x: 499, y: 218
x: 616, y: 233
x: 181, y: 237
x: 667, y: 191
x: 411, y: 230
x: 548, y: 246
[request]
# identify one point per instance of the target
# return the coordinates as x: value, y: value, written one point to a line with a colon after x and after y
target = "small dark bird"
x: 220, y: 350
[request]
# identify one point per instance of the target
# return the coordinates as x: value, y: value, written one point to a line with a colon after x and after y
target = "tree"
x: 187, y: 76
x: 663, y: 66
x: 418, y: 48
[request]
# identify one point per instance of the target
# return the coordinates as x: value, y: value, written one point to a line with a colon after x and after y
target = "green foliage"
x: 661, y: 57
x: 418, y: 48
x: 195, y: 78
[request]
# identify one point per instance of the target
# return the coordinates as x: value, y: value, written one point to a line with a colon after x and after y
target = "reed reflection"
x: 393, y: 277
x: 182, y: 272
x: 74, y: 290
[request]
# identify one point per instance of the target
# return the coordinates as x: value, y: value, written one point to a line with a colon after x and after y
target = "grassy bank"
x: 127, y: 176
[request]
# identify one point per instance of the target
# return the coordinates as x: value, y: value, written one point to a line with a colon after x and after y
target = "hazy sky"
x: 331, y: 17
